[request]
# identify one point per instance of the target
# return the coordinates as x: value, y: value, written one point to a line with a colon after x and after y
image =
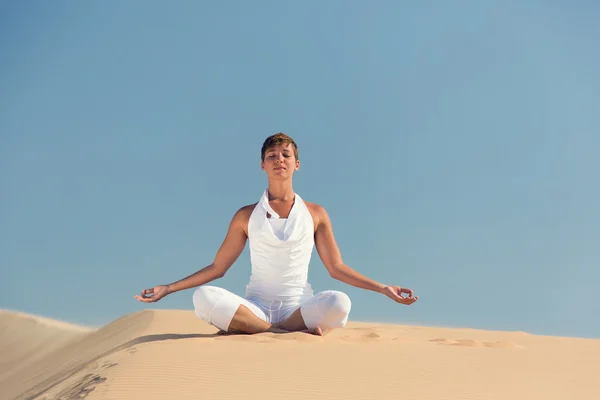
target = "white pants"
x: 217, y: 306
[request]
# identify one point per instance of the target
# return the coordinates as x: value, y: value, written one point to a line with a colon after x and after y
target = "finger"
x: 408, y: 301
x: 146, y: 299
x: 399, y: 299
x: 394, y: 293
x: 407, y: 291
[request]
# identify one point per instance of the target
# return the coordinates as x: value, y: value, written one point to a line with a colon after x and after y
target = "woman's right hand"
x: 154, y: 294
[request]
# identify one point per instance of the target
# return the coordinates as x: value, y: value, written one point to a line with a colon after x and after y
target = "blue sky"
x: 455, y: 148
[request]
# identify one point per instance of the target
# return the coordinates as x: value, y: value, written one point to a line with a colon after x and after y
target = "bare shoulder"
x: 315, y: 209
x: 242, y: 216
x: 245, y: 211
x: 318, y: 213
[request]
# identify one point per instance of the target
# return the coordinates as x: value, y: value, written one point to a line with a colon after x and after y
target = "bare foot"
x: 315, y: 331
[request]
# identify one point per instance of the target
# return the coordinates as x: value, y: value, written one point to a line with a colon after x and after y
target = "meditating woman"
x: 282, y: 230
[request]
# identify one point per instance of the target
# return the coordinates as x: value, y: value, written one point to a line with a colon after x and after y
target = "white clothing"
x: 280, y: 266
x: 217, y: 306
x: 280, y: 253
x: 278, y: 226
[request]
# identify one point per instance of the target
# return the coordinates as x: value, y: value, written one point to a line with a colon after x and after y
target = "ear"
x: 297, y: 165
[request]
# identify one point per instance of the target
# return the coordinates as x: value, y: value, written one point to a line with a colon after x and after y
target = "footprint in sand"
x: 109, y: 364
x: 364, y: 338
x: 441, y: 341
x: 502, y: 344
x: 81, y: 388
x: 371, y: 335
x: 467, y: 343
x: 462, y: 342
x: 475, y: 343
x: 362, y: 329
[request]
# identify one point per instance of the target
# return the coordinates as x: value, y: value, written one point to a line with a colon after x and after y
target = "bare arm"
x: 228, y: 253
x: 332, y: 259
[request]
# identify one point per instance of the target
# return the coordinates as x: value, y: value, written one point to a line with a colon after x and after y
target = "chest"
x: 282, y: 208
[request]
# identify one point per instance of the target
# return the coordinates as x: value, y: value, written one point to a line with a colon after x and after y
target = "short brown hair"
x: 275, y: 140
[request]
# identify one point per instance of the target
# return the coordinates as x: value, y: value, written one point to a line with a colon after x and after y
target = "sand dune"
x: 25, y: 340
x: 171, y: 354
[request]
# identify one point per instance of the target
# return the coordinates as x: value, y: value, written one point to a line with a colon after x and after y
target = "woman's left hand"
x: 395, y: 293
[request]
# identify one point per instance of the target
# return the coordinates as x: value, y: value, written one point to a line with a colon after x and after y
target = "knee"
x: 337, y: 309
x: 328, y: 309
x: 204, y: 299
x: 339, y: 304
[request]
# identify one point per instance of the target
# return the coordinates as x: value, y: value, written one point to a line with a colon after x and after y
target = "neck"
x: 281, y: 190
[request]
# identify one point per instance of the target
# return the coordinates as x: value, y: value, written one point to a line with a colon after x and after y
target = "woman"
x: 282, y: 230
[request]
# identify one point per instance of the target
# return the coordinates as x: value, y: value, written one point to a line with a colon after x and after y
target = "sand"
x: 171, y: 354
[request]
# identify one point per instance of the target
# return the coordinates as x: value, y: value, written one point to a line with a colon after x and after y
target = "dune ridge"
x: 172, y: 354
x: 26, y: 339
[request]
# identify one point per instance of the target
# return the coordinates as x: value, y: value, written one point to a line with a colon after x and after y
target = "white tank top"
x: 280, y: 252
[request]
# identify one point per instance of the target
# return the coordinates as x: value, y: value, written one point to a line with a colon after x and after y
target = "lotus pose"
x: 282, y: 230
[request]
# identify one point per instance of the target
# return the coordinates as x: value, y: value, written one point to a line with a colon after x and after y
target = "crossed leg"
x: 234, y: 314
x: 246, y: 322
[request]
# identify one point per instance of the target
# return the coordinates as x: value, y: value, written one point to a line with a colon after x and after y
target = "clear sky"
x: 455, y: 146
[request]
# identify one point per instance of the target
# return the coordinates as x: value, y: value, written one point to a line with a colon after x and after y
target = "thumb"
x: 392, y: 294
